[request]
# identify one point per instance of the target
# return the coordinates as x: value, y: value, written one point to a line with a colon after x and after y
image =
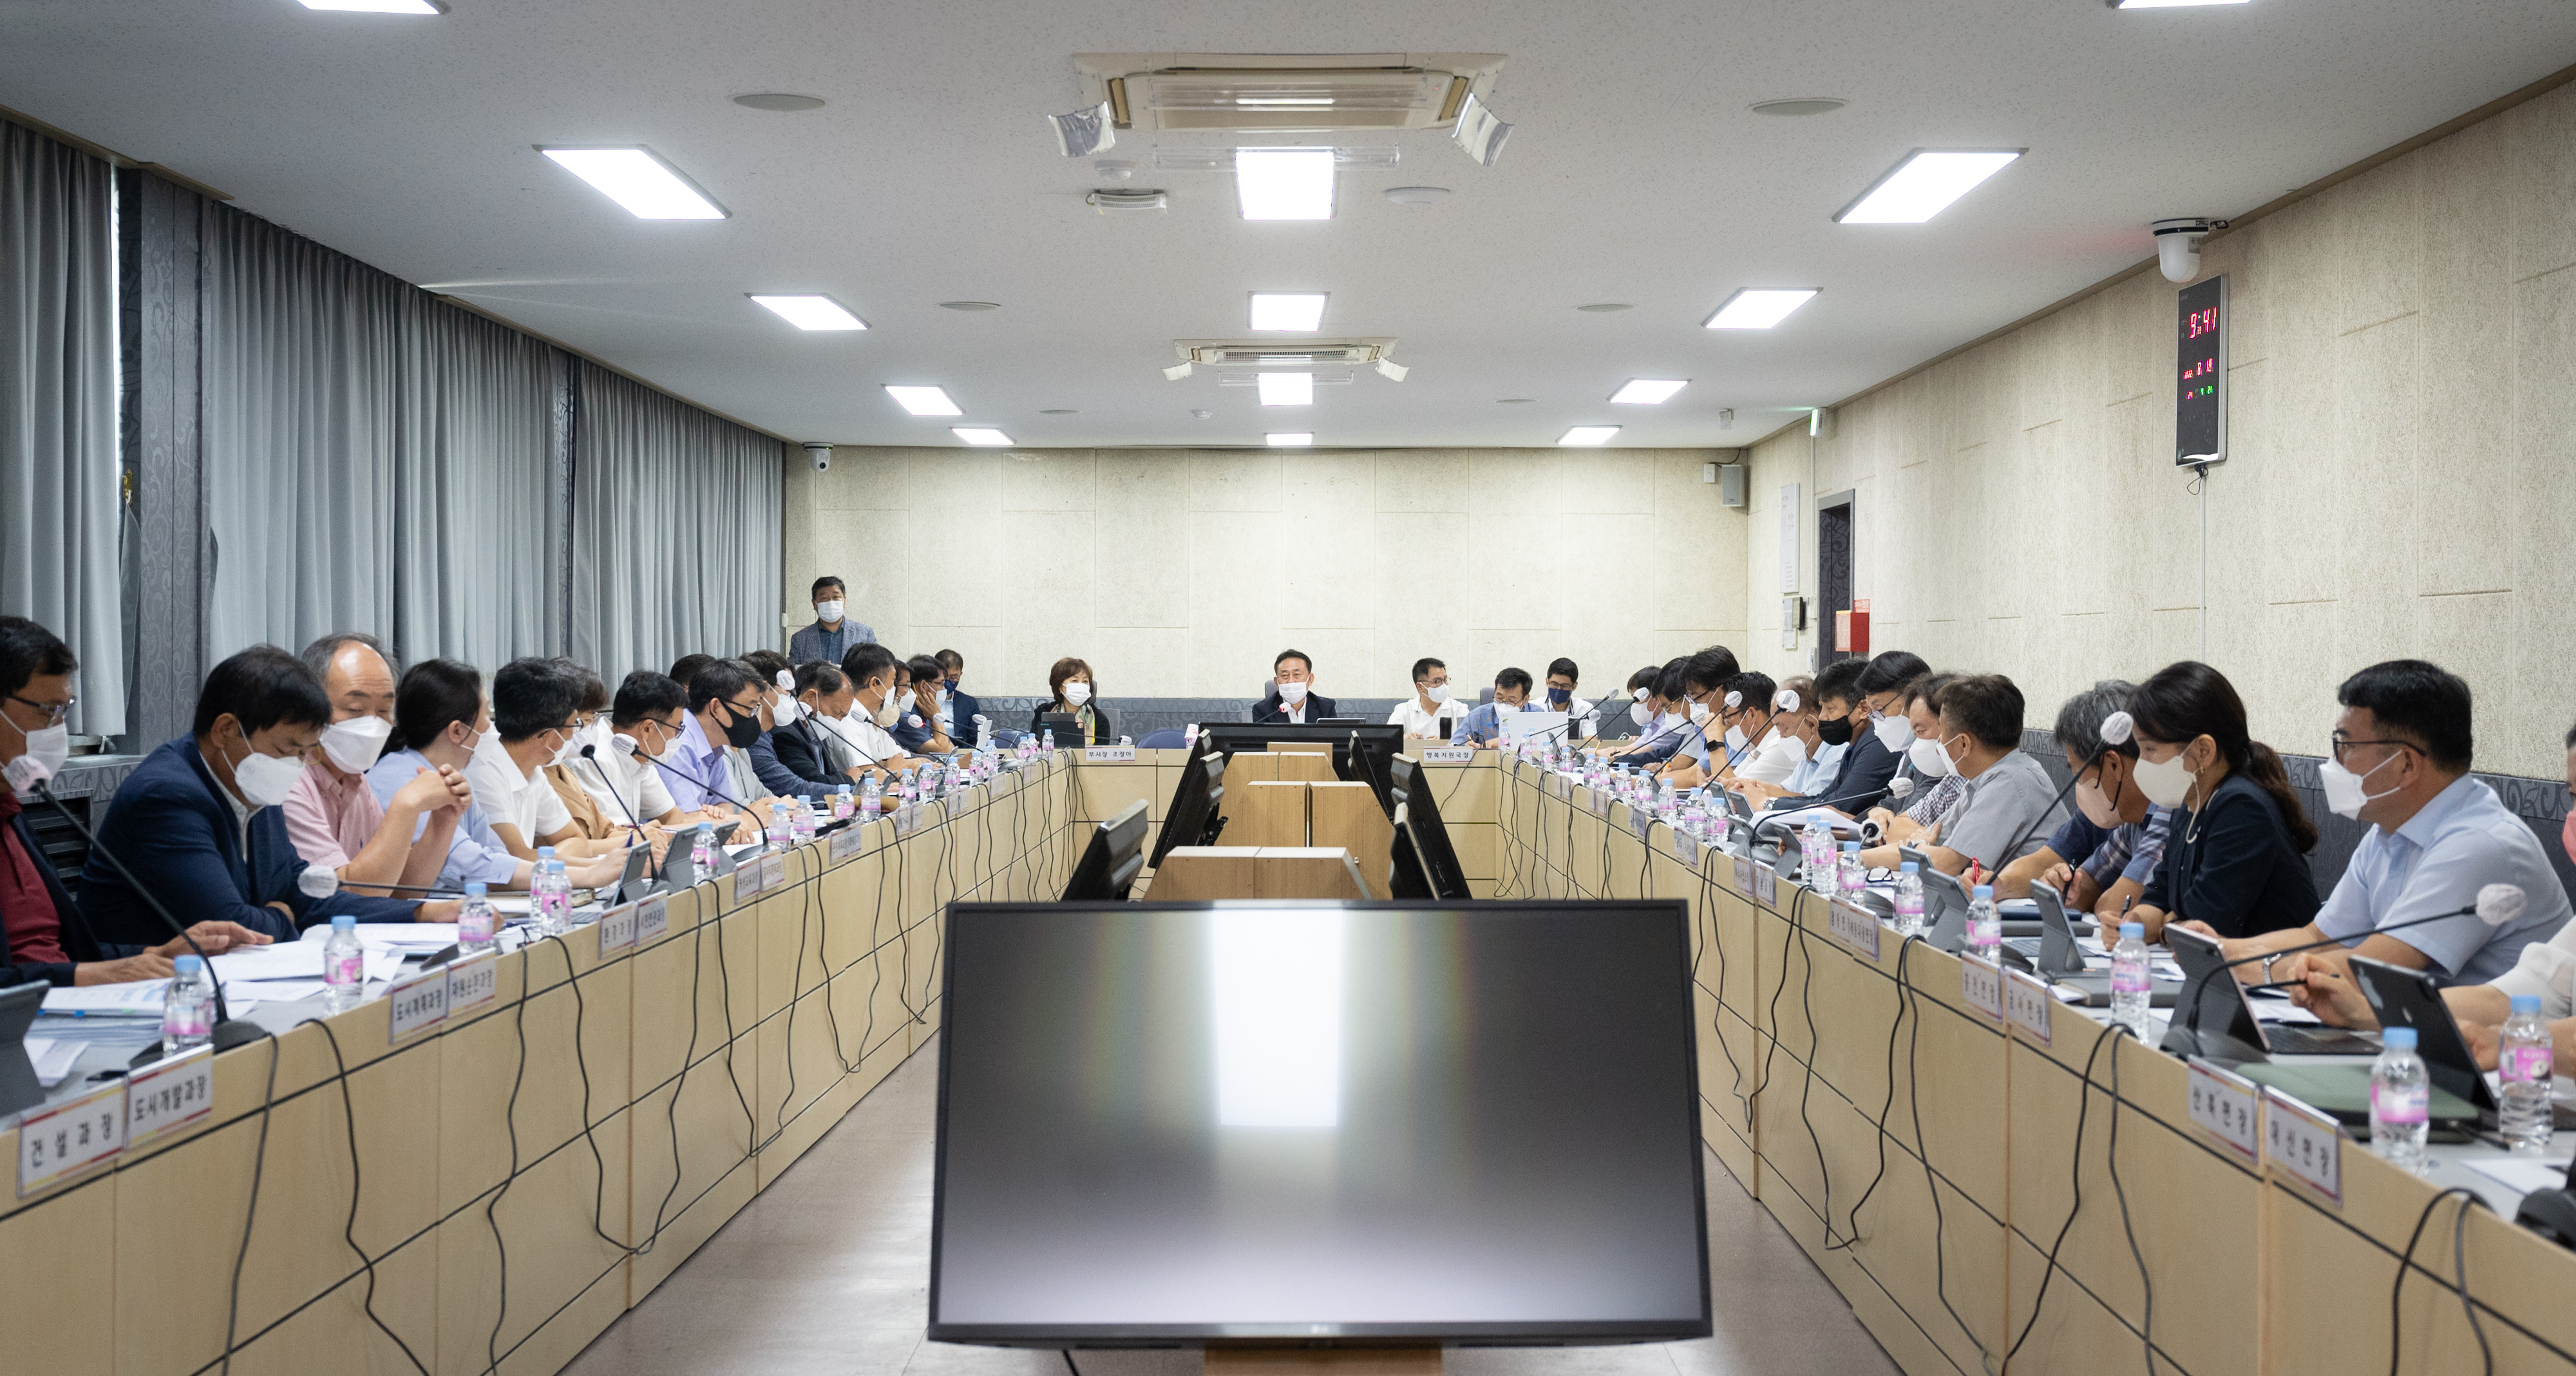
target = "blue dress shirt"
x: 477, y: 855
x: 2460, y: 842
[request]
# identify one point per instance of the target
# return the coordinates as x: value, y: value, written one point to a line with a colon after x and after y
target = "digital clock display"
x: 2200, y: 365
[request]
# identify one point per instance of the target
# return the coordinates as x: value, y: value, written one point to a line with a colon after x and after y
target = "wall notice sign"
x: 2304, y: 1143
x: 418, y: 1003
x: 1982, y: 985
x: 169, y: 1094
x: 1448, y: 754
x: 1853, y: 927
x: 652, y: 919
x: 2200, y: 366
x: 70, y: 1136
x: 2026, y: 1003
x: 2227, y: 1107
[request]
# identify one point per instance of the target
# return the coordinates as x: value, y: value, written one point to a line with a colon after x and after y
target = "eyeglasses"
x: 54, y: 712
x: 2339, y: 745
x: 741, y: 711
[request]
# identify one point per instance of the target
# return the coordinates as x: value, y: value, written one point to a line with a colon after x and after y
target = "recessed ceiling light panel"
x: 1924, y: 185
x: 979, y: 436
x: 1295, y: 439
x: 1287, y: 389
x: 1284, y: 183
x: 811, y: 312
x: 1758, y: 309
x: 376, y: 6
x: 1648, y: 391
x: 923, y: 401
x: 648, y: 187
x: 1588, y: 435
x: 1295, y: 311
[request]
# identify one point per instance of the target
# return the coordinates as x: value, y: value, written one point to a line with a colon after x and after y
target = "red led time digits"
x: 2201, y: 323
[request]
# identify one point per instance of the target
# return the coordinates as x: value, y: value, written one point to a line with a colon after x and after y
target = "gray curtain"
x: 374, y: 459
x: 675, y: 535
x: 58, y: 407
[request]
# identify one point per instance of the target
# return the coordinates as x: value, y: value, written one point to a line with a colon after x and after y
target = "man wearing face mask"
x: 1863, y: 763
x: 536, y: 722
x: 917, y: 723
x: 1661, y: 716
x: 1482, y: 727
x: 2401, y: 753
x: 957, y: 707
x: 440, y: 720
x: 1914, y: 818
x: 832, y: 633
x: 1293, y: 698
x: 1430, y: 714
x: 1757, y: 750
x: 648, y: 713
x: 1706, y: 677
x: 795, y: 759
x: 724, y: 715
x: 197, y: 821
x: 2007, y: 801
x: 2101, y: 859
x: 1562, y: 679
x: 332, y: 814
x: 875, y: 704
x: 47, y: 939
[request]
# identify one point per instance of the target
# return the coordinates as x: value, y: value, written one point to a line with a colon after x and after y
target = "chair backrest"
x: 1484, y: 695
x: 1267, y: 689
x: 1162, y: 740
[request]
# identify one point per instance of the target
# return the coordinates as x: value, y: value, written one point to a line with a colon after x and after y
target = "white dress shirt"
x: 625, y: 785
x: 1416, y: 722
x: 525, y: 801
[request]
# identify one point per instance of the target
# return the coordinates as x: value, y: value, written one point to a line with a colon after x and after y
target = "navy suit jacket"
x: 174, y: 828
x: 1273, y: 709
x: 77, y: 942
x: 1861, y: 784
x: 962, y: 708
x: 792, y: 763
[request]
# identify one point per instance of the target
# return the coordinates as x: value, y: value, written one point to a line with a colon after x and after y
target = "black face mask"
x: 1835, y: 730
x: 743, y: 732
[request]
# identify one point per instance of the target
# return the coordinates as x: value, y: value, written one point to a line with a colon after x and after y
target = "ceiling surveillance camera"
x: 2178, y: 246
x: 819, y: 455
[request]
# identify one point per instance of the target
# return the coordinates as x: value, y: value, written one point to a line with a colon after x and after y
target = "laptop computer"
x: 2413, y: 998
x: 2225, y: 1014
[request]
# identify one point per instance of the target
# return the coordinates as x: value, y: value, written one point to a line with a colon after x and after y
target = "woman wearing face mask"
x: 2235, y: 861
x: 1069, y: 684
x: 2101, y: 859
x: 440, y: 717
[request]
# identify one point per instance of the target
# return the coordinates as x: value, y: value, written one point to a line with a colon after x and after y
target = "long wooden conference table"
x: 489, y: 1187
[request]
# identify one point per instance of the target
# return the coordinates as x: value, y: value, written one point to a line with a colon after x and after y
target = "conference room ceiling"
x: 1637, y: 174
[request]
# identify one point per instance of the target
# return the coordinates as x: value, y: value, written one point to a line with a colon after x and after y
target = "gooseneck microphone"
x: 228, y: 1032
x: 628, y: 746
x: 2497, y: 905
x: 318, y: 882
x: 652, y: 867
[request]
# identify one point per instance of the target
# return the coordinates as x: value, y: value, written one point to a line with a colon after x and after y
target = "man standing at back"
x: 832, y: 633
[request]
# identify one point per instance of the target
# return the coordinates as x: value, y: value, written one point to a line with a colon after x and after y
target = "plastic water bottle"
x: 702, y: 850
x: 871, y: 799
x: 1909, y: 900
x: 2523, y: 1055
x: 1985, y: 925
x: 1817, y: 845
x: 844, y: 803
x: 800, y: 822
x: 2401, y: 1096
x: 188, y: 1010
x: 344, y: 966
x: 1855, y: 875
x: 476, y: 922
x: 1046, y: 744
x: 780, y: 828
x: 551, y: 891
x: 2131, y: 984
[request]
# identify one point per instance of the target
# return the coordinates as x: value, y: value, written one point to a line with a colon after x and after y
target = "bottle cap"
x: 188, y: 964
x: 2397, y: 1038
x: 1909, y: 867
x: 554, y: 867
x: 1985, y: 891
x: 1850, y: 847
x: 2133, y: 929
x: 545, y: 852
x: 344, y: 923
x: 706, y: 826
x: 2526, y: 1003
x: 475, y: 889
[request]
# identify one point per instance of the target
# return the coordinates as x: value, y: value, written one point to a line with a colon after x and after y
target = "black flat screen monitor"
x: 1067, y: 728
x: 1336, y: 1123
x: 1379, y: 743
x: 1111, y: 860
x: 1191, y: 818
x: 1425, y: 835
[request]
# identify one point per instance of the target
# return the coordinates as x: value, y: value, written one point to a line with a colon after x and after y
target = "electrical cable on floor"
x: 2147, y: 1319
x: 2083, y: 1107
x: 2459, y: 1253
x: 258, y: 1169
x: 349, y: 1228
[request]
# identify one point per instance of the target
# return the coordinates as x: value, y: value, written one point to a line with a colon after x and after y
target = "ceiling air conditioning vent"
x: 1281, y: 353
x: 1109, y: 198
x: 1285, y: 93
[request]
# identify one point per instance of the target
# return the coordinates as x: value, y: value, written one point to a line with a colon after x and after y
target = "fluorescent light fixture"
x: 811, y: 312
x: 1275, y: 991
x: 1923, y: 186
x: 1284, y: 183
x: 633, y: 177
x: 978, y: 435
x: 1589, y: 434
x: 1753, y: 309
x: 1297, y: 439
x: 1647, y: 391
x: 1298, y: 311
x: 923, y: 401
x: 375, y: 6
x: 2154, y: 4
x: 1287, y: 389
x: 1283, y: 100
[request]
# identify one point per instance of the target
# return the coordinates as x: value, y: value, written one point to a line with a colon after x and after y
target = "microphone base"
x: 229, y: 1033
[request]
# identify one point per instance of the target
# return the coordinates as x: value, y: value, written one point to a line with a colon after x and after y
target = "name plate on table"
x: 1598, y: 801
x: 907, y: 819
x: 773, y: 873
x: 1562, y: 785
x: 958, y: 804
x: 169, y: 1094
x: 1853, y: 927
x: 2303, y: 1142
x: 748, y: 881
x: 2229, y: 1108
x: 2026, y: 1002
x: 418, y: 1003
x: 1003, y: 783
x: 1448, y: 754
x: 473, y: 982
x: 652, y: 919
x: 1982, y: 985
x: 1744, y: 875
x: 1108, y: 754
x: 1685, y: 848
x: 70, y: 1136
x: 1766, y: 886
x: 848, y: 841
x: 616, y: 930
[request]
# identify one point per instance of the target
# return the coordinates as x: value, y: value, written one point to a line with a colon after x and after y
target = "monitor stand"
x: 1322, y: 1361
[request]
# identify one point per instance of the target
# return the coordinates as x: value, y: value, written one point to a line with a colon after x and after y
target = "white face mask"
x: 788, y: 711
x: 829, y: 611
x: 2096, y: 805
x: 1699, y: 714
x: 886, y: 712
x: 2346, y: 795
x: 2165, y: 782
x: 265, y: 780
x: 1734, y: 740
x: 570, y: 750
x: 1076, y: 692
x: 353, y: 745
x: 1930, y: 760
x: 1292, y: 693
x: 46, y: 751
x: 1894, y: 733
x: 1438, y: 692
x: 1637, y: 713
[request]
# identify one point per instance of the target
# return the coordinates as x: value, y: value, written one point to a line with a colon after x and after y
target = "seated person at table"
x: 917, y: 727
x: 2100, y: 860
x: 1756, y: 750
x: 2007, y: 803
x: 1293, y: 698
x: 795, y: 757
x: 1562, y: 678
x: 1801, y: 722
x: 957, y: 707
x: 723, y: 717
x: 1069, y: 694
x: 333, y: 816
x: 873, y: 672
x: 1652, y: 714
x: 1430, y: 714
x: 1624, y: 717
x: 2235, y: 859
x: 197, y: 821
x: 589, y: 813
x: 2401, y: 754
x: 440, y: 717
x: 686, y: 668
x: 648, y: 714
x: 1858, y: 779
x: 1881, y: 687
x: 1482, y: 727
x: 1925, y: 787
x: 1705, y: 680
x: 536, y: 721
x: 47, y: 939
